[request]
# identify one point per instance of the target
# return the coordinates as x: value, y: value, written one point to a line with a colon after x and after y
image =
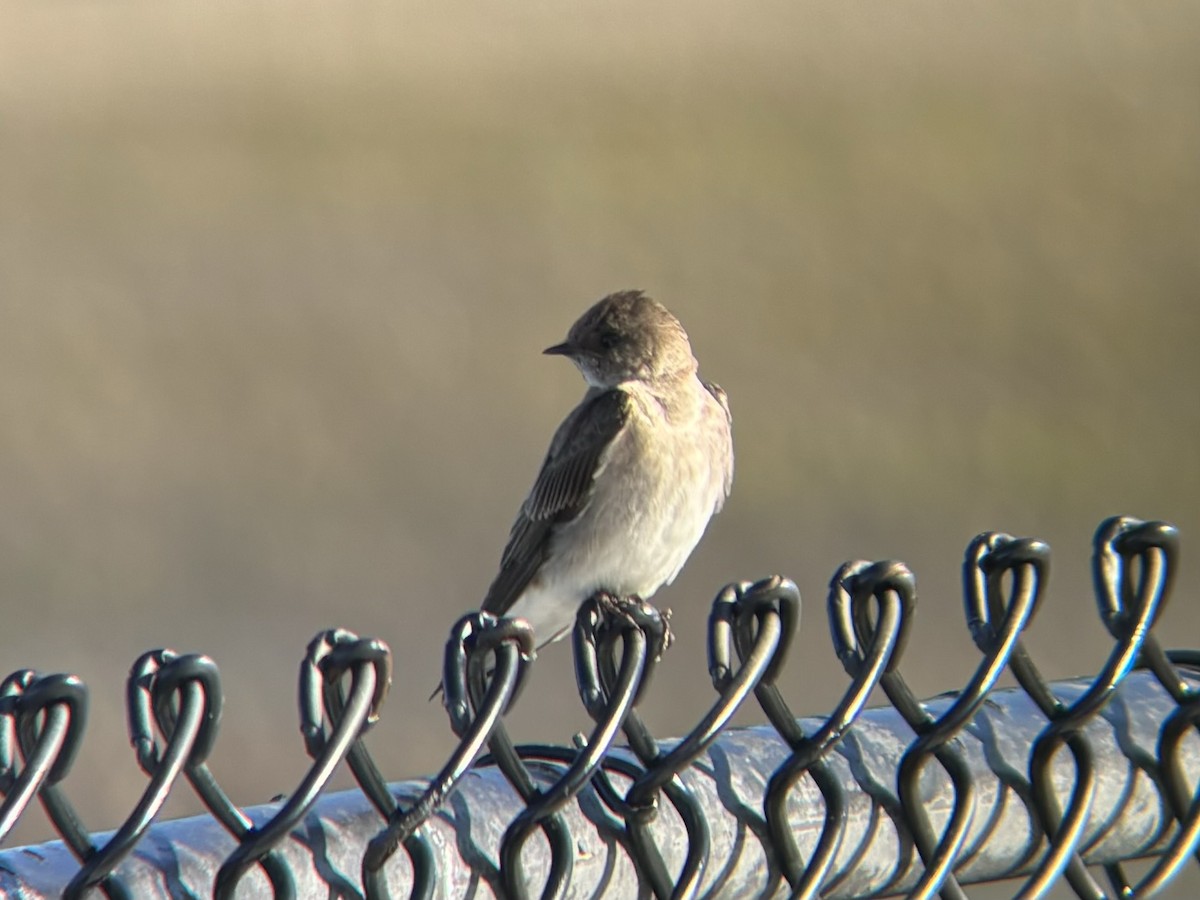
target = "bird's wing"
x: 563, y: 488
x: 723, y: 399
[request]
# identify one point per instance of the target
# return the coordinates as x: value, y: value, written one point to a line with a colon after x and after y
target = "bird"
x: 632, y: 477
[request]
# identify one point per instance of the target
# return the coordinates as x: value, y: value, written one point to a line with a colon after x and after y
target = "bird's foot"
x: 668, y: 634
x: 614, y: 605
x: 629, y: 605
x: 657, y: 623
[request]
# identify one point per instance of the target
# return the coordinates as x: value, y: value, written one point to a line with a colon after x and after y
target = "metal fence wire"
x: 1041, y: 783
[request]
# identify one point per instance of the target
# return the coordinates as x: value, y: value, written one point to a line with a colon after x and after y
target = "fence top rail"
x: 1039, y: 781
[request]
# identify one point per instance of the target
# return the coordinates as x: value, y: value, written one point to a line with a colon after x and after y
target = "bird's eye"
x: 609, y: 339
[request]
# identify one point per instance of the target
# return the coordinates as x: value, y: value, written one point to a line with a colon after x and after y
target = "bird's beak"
x: 566, y: 348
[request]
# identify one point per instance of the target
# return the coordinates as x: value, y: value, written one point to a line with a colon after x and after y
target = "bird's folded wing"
x: 722, y: 399
x: 577, y: 454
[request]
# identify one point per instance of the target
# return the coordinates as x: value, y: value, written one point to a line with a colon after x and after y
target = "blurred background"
x: 275, y: 280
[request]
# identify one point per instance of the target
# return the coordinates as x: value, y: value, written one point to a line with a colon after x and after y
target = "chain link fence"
x: 1044, y: 782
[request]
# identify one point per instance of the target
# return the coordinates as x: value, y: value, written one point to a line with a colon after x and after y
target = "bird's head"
x: 627, y: 336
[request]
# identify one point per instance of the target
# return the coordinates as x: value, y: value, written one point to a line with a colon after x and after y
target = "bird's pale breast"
x: 663, y: 478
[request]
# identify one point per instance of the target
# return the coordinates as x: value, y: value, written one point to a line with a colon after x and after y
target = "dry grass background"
x: 275, y: 278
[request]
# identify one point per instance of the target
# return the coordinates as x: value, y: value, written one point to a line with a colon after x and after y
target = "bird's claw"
x: 668, y: 636
x: 656, y: 623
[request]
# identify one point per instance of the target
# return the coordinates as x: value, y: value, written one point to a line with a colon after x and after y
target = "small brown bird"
x: 632, y: 476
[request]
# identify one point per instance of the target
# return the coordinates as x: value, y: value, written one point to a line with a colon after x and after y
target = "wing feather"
x: 722, y: 399
x: 561, y: 492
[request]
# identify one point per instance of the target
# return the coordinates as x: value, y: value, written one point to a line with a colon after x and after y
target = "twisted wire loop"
x: 608, y: 702
x: 475, y: 701
x: 330, y: 657
x: 611, y: 686
x: 989, y: 556
x: 327, y: 743
x: 758, y: 622
x: 761, y: 621
x: 160, y: 683
x: 1174, y: 777
x: 512, y: 879
x: 889, y: 579
x: 1039, y: 691
x: 1129, y: 609
x: 1161, y: 540
x: 996, y: 622
x: 1123, y: 545
x: 49, y: 713
x: 865, y: 665
x: 54, y: 751
x: 190, y: 728
x: 1134, y: 728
